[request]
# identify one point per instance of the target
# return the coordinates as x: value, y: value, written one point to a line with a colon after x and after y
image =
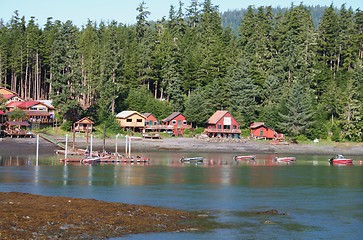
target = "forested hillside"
x: 233, y: 18
x: 280, y: 69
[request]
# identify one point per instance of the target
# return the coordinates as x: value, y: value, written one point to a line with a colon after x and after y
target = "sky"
x: 124, y: 11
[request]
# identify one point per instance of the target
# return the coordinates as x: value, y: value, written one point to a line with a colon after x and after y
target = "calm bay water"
x: 321, y: 201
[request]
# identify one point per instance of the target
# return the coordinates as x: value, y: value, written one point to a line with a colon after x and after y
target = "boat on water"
x: 91, y: 160
x: 340, y: 159
x: 244, y: 158
x: 285, y: 159
x: 192, y: 159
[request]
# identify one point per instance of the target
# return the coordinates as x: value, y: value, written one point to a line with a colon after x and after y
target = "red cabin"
x: 177, y: 121
x: 260, y: 130
x: 150, y: 120
x: 222, y: 124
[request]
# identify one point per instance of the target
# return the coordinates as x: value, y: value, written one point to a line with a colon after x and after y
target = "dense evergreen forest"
x: 300, y: 79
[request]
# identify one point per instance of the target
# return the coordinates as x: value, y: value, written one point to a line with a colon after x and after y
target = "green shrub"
x: 66, y: 125
x: 335, y: 133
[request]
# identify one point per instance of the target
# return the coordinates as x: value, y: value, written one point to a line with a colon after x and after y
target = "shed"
x: 83, y: 125
x: 260, y: 130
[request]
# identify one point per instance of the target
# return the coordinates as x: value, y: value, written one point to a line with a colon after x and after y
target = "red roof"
x: 28, y: 104
x: 217, y: 116
x: 13, y: 104
x: 1, y: 112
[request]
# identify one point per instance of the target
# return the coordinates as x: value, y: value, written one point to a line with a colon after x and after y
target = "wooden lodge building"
x: 131, y: 120
x: 222, y: 125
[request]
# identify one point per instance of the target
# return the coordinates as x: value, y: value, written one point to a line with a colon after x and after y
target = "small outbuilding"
x: 260, y: 130
x: 83, y: 125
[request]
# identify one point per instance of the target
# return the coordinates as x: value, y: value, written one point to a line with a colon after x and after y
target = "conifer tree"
x: 297, y: 115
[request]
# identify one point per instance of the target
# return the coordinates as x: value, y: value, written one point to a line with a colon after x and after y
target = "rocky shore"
x: 28, y: 216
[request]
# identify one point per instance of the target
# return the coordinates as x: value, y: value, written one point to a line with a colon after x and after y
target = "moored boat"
x: 244, y: 157
x: 340, y: 159
x: 90, y: 160
x: 285, y: 159
x: 192, y: 159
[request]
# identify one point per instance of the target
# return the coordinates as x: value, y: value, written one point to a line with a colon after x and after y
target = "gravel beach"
x: 25, y: 146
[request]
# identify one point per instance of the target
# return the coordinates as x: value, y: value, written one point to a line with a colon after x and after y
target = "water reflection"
x: 315, y: 194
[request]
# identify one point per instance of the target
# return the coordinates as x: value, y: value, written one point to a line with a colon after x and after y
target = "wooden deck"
x: 17, y: 133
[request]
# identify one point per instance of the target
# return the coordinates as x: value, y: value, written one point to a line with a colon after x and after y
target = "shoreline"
x: 26, y: 146
x: 56, y: 217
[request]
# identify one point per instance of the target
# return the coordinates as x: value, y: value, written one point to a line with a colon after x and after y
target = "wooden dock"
x: 106, y: 159
x: 52, y: 140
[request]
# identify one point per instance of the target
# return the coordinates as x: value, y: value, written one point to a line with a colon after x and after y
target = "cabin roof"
x: 257, y: 124
x: 147, y: 114
x: 1, y: 112
x: 85, y: 120
x: 13, y: 104
x: 7, y: 96
x: 16, y: 123
x: 7, y: 91
x: 47, y: 103
x: 126, y: 114
x: 217, y: 116
x: 171, y: 116
x: 27, y: 104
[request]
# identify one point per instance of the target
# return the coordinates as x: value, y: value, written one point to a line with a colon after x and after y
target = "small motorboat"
x: 285, y: 159
x: 340, y: 159
x: 192, y: 159
x: 244, y: 158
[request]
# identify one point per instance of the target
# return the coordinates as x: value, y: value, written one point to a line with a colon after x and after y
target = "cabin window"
x: 138, y: 120
x: 155, y: 123
x: 219, y: 126
x: 173, y: 122
x: 185, y: 122
x: 129, y: 120
x: 227, y: 127
x: 261, y: 133
x: 234, y: 127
